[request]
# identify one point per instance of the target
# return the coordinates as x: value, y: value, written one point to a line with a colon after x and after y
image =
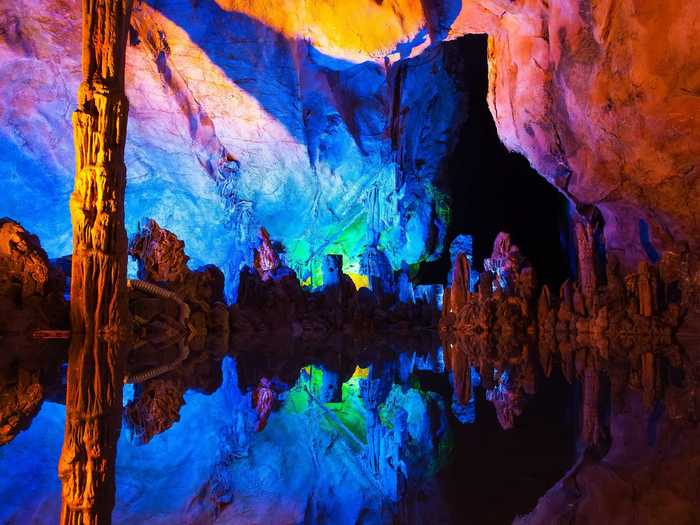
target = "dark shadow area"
x: 496, y: 475
x: 494, y: 190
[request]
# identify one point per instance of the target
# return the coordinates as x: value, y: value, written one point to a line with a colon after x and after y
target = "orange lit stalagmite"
x: 99, y: 315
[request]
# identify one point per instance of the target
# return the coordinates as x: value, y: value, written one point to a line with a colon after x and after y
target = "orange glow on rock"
x: 351, y: 29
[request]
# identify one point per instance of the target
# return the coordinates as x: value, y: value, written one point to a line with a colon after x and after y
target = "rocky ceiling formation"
x: 242, y: 115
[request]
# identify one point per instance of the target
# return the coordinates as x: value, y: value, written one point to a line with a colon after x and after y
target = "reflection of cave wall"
x: 493, y: 190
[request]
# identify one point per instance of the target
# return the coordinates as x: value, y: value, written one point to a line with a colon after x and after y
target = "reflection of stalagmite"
x: 332, y: 387
x: 586, y: 261
x: 591, y: 431
x: 99, y: 313
x: 506, y: 400
x: 650, y: 380
x: 545, y: 315
x: 461, y: 372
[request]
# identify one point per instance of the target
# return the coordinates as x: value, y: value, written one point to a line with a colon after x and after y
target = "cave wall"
x: 243, y: 115
x: 602, y: 98
x: 241, y: 118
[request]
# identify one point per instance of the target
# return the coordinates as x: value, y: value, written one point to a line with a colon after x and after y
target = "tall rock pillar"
x: 99, y: 314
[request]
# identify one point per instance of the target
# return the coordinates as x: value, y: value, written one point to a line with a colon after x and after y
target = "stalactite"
x: 99, y: 314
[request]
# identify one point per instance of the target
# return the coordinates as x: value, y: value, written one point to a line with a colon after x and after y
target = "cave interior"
x: 349, y: 262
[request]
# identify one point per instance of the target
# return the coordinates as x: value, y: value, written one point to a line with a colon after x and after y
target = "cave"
x: 349, y: 262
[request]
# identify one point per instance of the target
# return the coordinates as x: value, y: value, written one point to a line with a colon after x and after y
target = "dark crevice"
x: 494, y: 190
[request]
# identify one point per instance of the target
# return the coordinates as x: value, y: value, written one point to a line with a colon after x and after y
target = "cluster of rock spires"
x: 615, y: 338
x: 176, y: 312
x: 272, y: 300
x: 634, y: 318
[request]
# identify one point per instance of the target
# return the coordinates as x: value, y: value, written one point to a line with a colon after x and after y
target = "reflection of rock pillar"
x: 646, y: 289
x: 374, y: 390
x: 462, y: 376
x: 590, y: 424
x: 586, y: 262
x: 650, y: 380
x: 99, y: 312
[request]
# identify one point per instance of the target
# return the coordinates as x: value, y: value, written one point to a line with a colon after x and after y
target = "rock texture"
x: 20, y: 398
x: 32, y: 311
x: 235, y: 124
x: 31, y: 288
x: 602, y: 98
x: 240, y: 112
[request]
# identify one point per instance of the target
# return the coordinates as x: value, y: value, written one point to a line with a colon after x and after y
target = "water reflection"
x: 280, y: 431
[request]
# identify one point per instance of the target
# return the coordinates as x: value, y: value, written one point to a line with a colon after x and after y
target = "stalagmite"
x: 266, y: 258
x: 99, y: 315
x: 646, y: 289
x: 460, y: 283
x: 485, y: 285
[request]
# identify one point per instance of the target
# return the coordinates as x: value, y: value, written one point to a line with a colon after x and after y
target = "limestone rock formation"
x: 23, y: 263
x: 31, y: 288
x: 634, y: 320
x: 162, y: 259
x: 180, y: 331
x: 275, y: 302
x: 618, y: 338
x: 159, y: 253
x: 586, y: 93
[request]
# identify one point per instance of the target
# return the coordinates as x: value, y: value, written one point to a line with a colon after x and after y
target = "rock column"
x: 99, y: 314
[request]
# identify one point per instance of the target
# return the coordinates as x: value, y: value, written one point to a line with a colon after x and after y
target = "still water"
x: 377, y: 432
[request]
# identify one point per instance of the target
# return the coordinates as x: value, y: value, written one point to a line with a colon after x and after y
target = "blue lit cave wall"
x: 310, y: 464
x: 234, y: 125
